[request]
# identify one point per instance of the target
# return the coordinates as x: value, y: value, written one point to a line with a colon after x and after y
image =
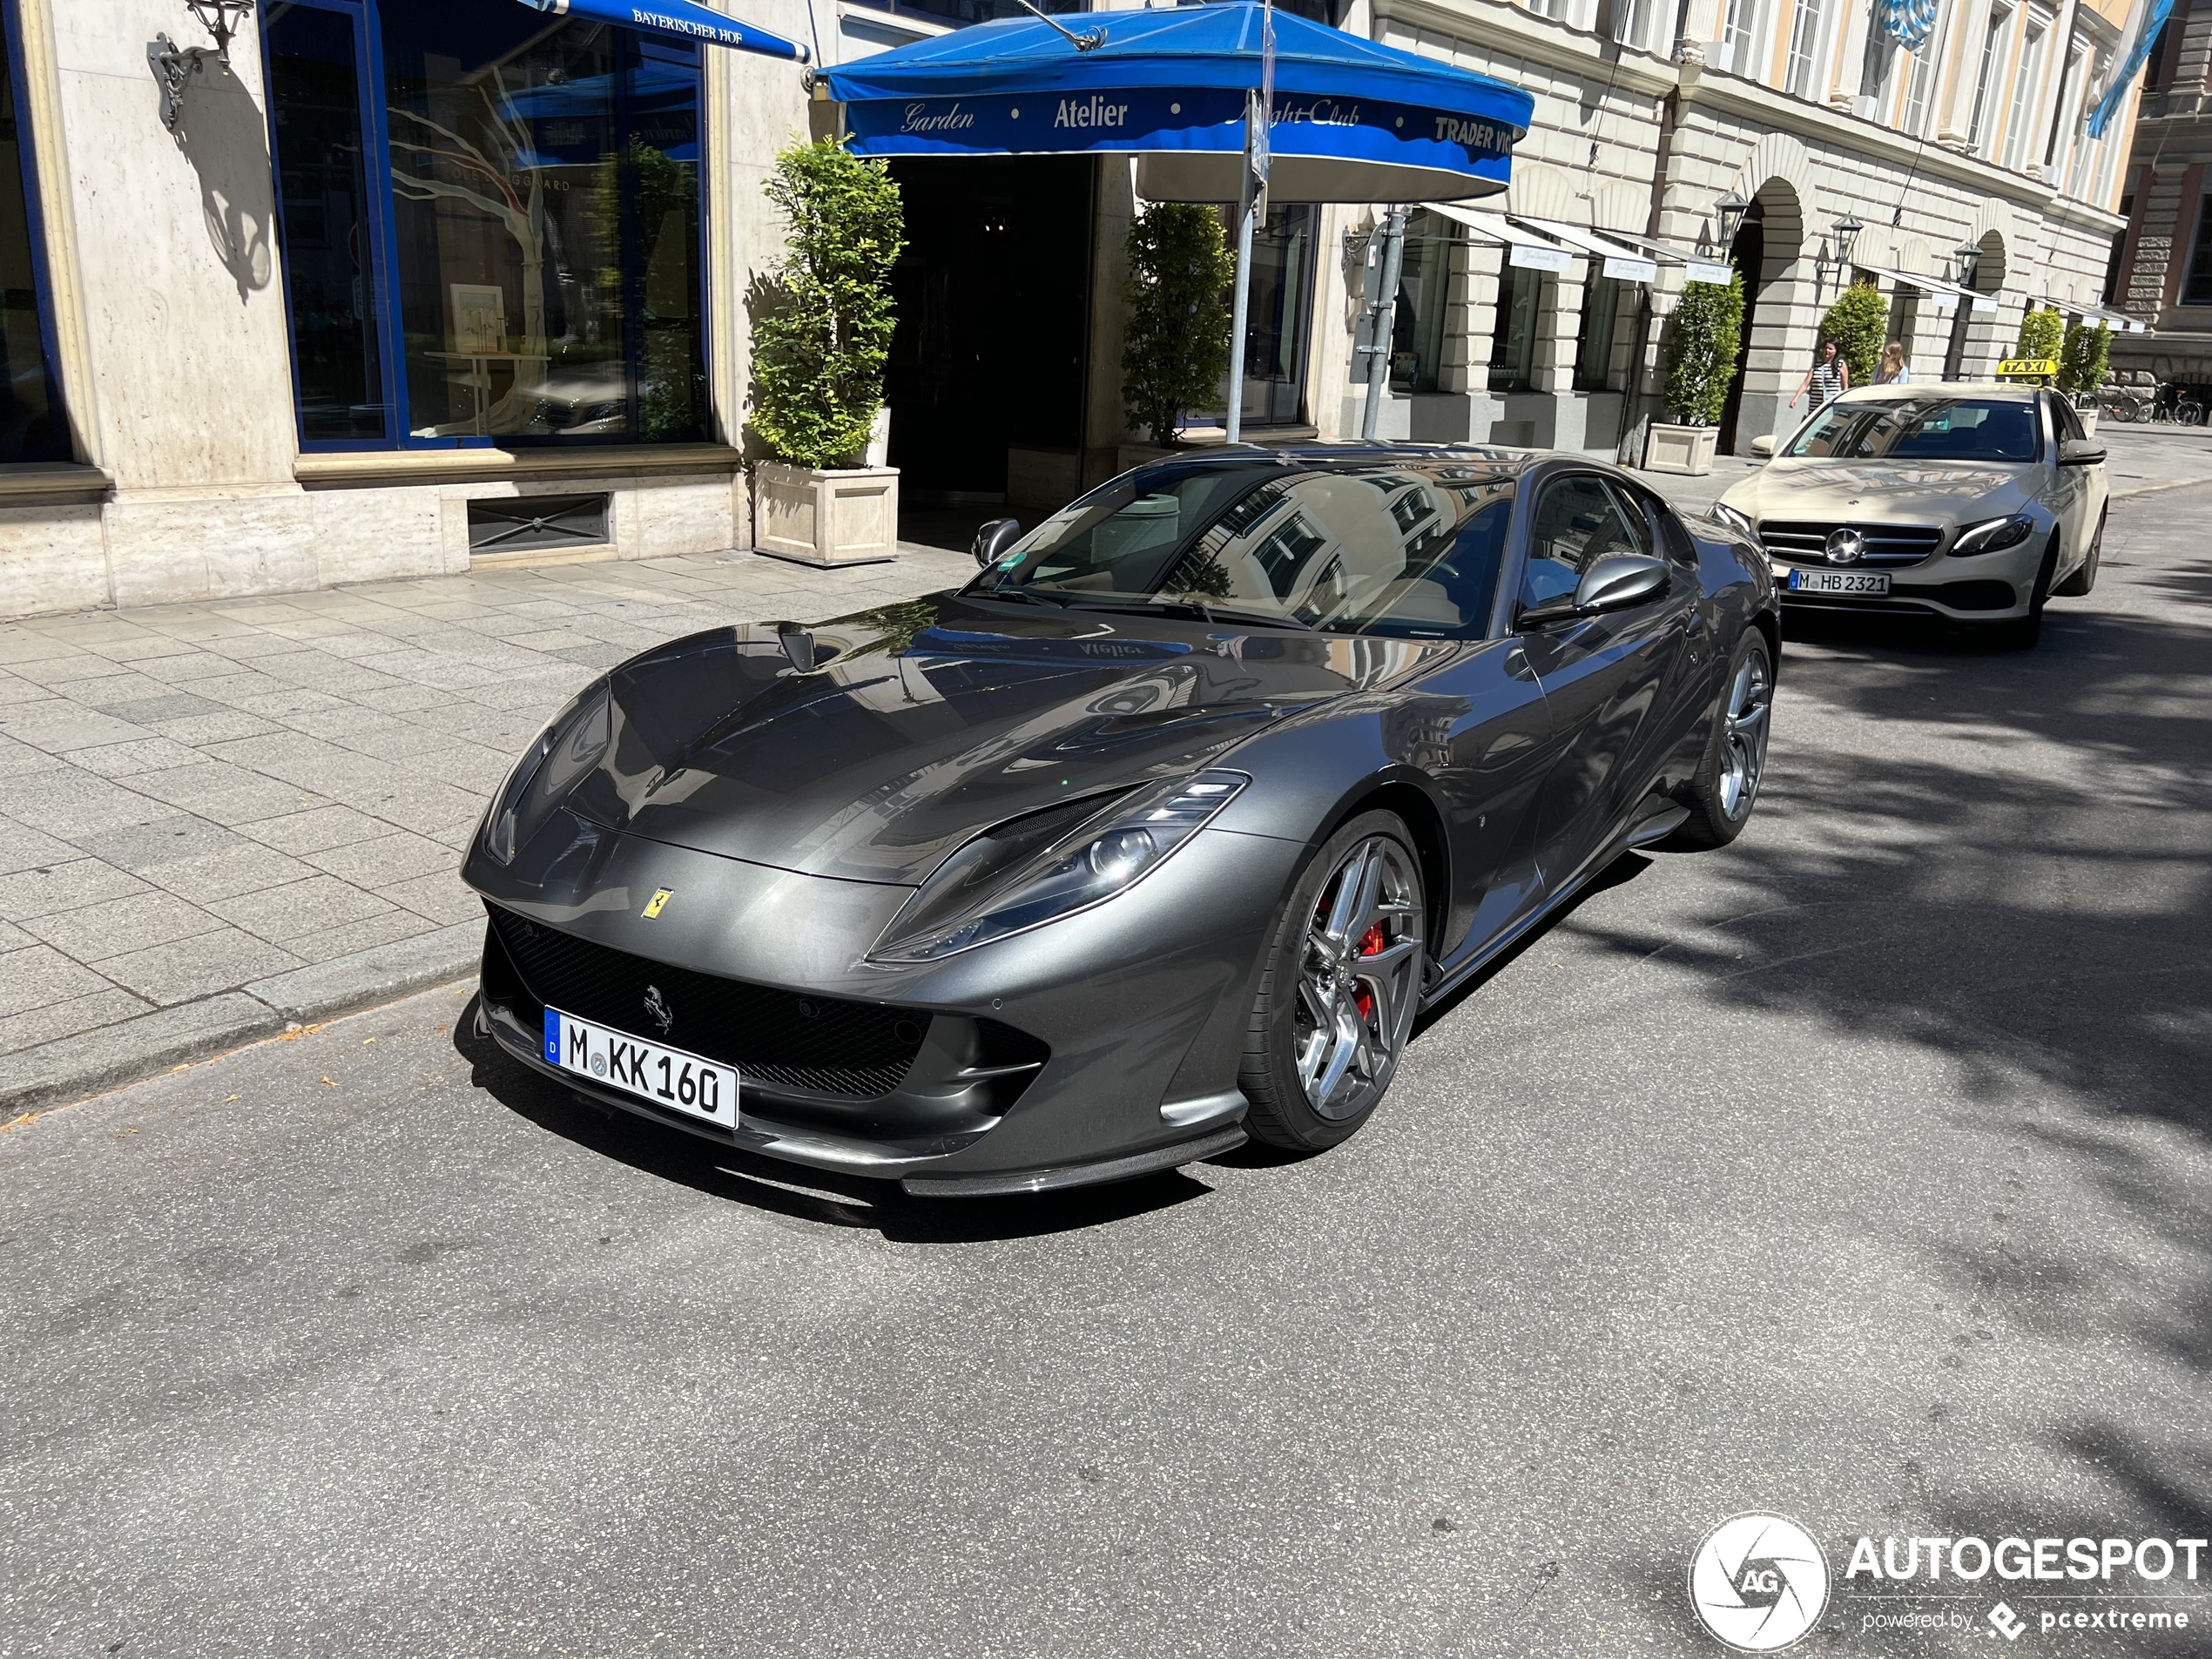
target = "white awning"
x: 2120, y: 322
x: 1697, y: 266
x: 1523, y: 248
x: 1950, y: 292
x: 1621, y: 262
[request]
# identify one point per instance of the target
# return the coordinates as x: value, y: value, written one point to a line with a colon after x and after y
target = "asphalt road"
x: 1860, y: 1173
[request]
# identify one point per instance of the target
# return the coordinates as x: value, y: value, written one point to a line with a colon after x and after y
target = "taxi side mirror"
x: 1764, y: 448
x: 2082, y: 452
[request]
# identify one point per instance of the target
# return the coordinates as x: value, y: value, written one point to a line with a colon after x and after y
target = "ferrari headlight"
x: 1992, y: 535
x: 1730, y: 516
x: 1049, y: 865
x: 551, y: 766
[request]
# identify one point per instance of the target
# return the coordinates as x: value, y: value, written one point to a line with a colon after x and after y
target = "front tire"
x: 2022, y: 633
x: 2083, y: 580
x: 1720, y: 795
x: 1339, y: 990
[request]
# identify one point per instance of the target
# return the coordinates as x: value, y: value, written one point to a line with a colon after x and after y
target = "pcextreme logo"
x: 1759, y: 1582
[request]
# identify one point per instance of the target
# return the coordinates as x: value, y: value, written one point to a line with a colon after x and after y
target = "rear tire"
x: 1721, y: 796
x: 2083, y: 580
x: 1341, y: 986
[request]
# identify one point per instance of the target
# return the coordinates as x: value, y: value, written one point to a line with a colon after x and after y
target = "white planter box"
x: 1680, y: 448
x: 845, y: 516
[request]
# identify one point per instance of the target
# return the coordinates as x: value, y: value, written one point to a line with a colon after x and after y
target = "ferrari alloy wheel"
x: 1721, y: 796
x: 1340, y: 989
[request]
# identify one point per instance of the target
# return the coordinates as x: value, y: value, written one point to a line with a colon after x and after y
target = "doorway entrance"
x: 1278, y: 318
x: 993, y: 292
x: 1748, y: 255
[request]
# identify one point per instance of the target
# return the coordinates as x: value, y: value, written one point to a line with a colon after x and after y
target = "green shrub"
x: 2042, y: 334
x: 822, y: 329
x: 1175, y: 349
x: 1702, y: 337
x: 2082, y: 358
x: 1860, y: 323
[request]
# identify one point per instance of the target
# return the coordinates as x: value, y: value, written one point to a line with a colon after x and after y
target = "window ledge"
x: 53, y: 481
x: 358, y: 467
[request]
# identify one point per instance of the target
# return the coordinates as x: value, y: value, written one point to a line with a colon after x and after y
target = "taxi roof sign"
x: 2025, y: 368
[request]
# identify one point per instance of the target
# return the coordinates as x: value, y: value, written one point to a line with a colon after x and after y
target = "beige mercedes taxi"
x: 1966, y: 502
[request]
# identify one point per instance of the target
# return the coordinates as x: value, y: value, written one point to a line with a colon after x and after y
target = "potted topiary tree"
x: 1174, y: 345
x: 2042, y: 335
x: 1701, y: 340
x: 2082, y: 358
x: 822, y: 335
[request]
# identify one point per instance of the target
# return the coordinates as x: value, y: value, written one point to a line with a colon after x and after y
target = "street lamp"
x: 1845, y: 232
x: 1968, y: 254
x: 174, y: 66
x: 1847, y: 229
x: 1732, y: 209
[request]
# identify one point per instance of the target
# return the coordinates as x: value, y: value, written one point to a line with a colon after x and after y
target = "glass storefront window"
x: 329, y: 237
x: 1594, y: 338
x: 502, y: 241
x: 1424, y: 284
x: 1513, y: 342
x: 31, y: 427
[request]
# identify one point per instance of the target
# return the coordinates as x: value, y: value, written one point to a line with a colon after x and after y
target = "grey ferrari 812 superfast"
x: 1158, y: 835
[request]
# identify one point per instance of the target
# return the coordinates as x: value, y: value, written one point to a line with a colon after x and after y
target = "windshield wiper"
x: 1028, y: 597
x: 1196, y: 609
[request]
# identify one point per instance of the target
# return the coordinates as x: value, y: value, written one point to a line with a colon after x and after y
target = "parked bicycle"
x: 2178, y: 403
x: 2118, y: 403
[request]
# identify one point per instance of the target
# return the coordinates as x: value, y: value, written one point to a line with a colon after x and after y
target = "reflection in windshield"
x: 1413, y: 551
x: 1935, y: 429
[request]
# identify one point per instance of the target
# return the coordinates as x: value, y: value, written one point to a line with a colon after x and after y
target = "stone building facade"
x: 2163, y: 273
x: 1648, y: 116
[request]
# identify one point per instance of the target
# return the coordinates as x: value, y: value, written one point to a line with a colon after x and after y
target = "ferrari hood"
x: 869, y: 747
x: 1925, y: 492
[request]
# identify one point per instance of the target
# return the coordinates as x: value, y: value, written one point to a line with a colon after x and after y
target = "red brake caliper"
x: 1369, y: 942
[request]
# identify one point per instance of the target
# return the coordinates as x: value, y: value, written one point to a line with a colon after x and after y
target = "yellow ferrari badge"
x: 658, y: 903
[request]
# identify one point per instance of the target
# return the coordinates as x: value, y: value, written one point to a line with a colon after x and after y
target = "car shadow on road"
x: 2004, y: 859
x: 829, y: 1198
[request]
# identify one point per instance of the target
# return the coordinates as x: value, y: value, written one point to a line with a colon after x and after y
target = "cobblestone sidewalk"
x: 218, y: 818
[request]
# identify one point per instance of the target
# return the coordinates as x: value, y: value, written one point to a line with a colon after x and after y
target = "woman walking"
x: 1828, y: 378
x: 1894, y: 371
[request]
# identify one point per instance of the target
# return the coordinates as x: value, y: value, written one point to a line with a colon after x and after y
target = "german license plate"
x: 1865, y: 582
x: 682, y: 1082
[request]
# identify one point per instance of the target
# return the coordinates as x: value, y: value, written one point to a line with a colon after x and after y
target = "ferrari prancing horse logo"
x: 658, y: 903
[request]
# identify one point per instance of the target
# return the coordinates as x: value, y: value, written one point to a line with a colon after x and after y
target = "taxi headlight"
x: 1991, y: 535
x: 1051, y: 864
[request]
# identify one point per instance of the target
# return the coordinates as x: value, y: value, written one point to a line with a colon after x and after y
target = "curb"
x: 69, y: 1068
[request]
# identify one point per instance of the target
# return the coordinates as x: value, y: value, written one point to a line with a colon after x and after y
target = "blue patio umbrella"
x: 1352, y: 120
x: 1217, y: 102
x: 682, y: 20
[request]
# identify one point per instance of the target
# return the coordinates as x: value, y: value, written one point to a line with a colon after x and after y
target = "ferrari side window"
x: 1577, y: 521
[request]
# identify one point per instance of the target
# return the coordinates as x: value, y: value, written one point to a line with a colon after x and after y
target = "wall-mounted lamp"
x: 1845, y: 234
x: 1968, y: 258
x: 1731, y: 209
x: 174, y: 66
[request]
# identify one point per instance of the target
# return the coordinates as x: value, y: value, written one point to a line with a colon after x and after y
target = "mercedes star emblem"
x: 1846, y: 546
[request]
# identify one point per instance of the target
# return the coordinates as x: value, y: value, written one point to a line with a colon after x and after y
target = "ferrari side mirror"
x: 1618, y: 581
x: 994, y: 538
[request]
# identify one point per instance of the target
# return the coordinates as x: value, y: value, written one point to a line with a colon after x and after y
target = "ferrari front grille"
x: 820, y: 1044
x: 1886, y: 544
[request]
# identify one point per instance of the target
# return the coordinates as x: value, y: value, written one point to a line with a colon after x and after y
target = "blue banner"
x: 2150, y: 18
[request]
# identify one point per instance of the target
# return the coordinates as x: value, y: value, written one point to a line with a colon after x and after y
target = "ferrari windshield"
x: 1915, y: 428
x: 1404, y: 551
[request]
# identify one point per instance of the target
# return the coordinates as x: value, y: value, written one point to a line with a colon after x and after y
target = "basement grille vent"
x: 531, y: 524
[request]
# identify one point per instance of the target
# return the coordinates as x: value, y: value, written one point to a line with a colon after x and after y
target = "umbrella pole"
x: 1240, y: 303
x: 1382, y: 318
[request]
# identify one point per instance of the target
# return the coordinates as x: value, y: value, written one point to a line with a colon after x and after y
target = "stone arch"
x: 1777, y: 156
x: 1911, y: 254
x: 1779, y: 309
x: 1620, y: 208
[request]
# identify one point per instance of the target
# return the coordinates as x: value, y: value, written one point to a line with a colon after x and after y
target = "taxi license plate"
x: 1863, y: 581
x: 668, y: 1077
